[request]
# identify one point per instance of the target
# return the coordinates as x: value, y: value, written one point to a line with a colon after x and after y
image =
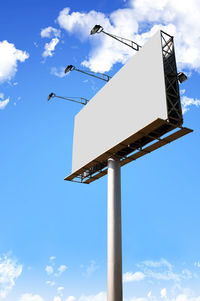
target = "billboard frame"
x: 152, y: 136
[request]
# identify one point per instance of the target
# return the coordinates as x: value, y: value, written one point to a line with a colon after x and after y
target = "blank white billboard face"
x: 131, y: 100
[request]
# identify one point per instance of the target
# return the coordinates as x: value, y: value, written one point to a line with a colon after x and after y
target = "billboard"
x: 138, y: 105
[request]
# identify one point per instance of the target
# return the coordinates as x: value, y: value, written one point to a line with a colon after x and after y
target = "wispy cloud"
x: 90, y: 269
x: 60, y: 270
x: 57, y: 298
x: 98, y: 297
x: 60, y: 290
x: 197, y: 264
x: 50, y: 32
x: 131, y: 277
x: 3, y: 103
x: 10, y: 271
x: 70, y: 298
x: 157, y: 264
x: 161, y: 270
x: 163, y: 293
x: 54, y: 34
x: 31, y: 297
x: 187, y: 102
x: 59, y: 72
x: 54, y: 271
x: 51, y: 283
x: 49, y: 269
x: 52, y: 258
x: 50, y: 47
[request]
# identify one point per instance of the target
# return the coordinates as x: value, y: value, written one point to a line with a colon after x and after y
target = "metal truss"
x: 171, y: 80
x: 148, y: 142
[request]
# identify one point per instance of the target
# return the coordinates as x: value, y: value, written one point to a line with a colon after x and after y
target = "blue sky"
x: 52, y: 232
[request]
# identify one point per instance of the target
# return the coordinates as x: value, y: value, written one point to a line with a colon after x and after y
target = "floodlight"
x: 101, y: 76
x: 181, y: 77
x: 69, y: 68
x: 99, y: 28
x: 50, y: 96
x: 81, y: 100
x: 96, y: 29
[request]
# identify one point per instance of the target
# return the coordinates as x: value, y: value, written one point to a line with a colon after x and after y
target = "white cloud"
x: 80, y: 23
x: 10, y: 270
x: 52, y: 258
x: 182, y: 296
x: 50, y: 47
x: 70, y: 298
x: 186, y: 274
x: 197, y: 264
x: 163, y: 275
x: 181, y: 20
x: 99, y: 297
x: 91, y: 268
x: 60, y: 288
x: 51, y: 283
x: 9, y: 58
x: 59, y: 72
x: 163, y: 293
x: 157, y: 264
x: 130, y: 277
x: 161, y: 270
x: 30, y: 297
x: 56, y: 298
x: 187, y: 102
x: 3, y: 103
x: 138, y: 299
x: 49, y: 269
x: 61, y: 269
x: 50, y: 32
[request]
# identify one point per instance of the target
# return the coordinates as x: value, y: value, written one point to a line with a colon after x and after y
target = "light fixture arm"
x: 103, y: 76
x: 129, y: 43
x: 80, y: 100
x: 126, y: 42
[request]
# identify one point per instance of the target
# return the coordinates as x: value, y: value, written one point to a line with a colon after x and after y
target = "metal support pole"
x: 114, y: 242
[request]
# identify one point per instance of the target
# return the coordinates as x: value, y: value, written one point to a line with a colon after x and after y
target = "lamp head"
x: 69, y: 68
x: 50, y: 96
x: 181, y: 77
x: 96, y: 29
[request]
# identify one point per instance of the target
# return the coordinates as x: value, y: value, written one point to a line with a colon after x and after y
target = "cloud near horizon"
x: 10, y: 271
x: 101, y: 296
